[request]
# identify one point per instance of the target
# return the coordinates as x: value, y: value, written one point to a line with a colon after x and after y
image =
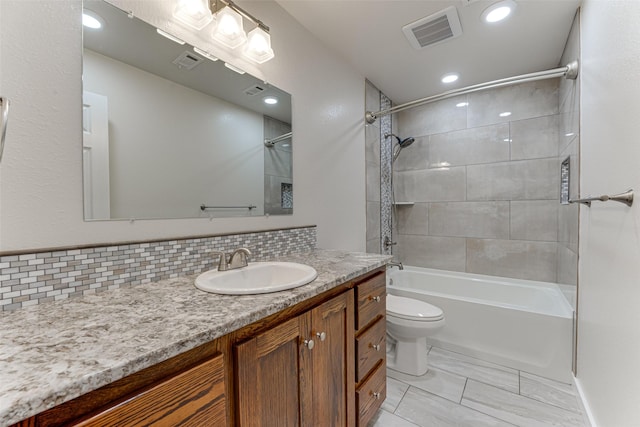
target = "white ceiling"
x: 369, y: 35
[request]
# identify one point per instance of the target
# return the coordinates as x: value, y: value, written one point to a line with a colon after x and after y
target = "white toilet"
x: 409, y: 322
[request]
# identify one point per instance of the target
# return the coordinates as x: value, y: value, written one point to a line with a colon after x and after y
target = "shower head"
x: 402, y: 143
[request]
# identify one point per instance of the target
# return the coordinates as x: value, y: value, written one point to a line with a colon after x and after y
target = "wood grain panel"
x: 370, y: 395
x: 193, y: 398
x: 371, y: 300
x: 371, y: 348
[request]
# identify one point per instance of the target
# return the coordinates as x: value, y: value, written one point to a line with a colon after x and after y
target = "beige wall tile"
x: 535, y: 138
x: 415, y: 156
x: 512, y: 258
x: 431, y: 185
x: 521, y: 180
x: 487, y: 144
x: 469, y: 219
x: 524, y: 101
x: 373, y: 220
x: 534, y: 220
x: 439, y: 117
x: 446, y: 253
x: 413, y: 219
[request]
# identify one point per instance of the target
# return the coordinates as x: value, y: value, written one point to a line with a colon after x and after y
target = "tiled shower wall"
x: 35, y: 278
x: 484, y: 183
x: 378, y: 172
x: 277, y: 169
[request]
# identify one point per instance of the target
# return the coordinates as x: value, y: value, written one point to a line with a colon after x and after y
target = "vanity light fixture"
x: 91, y: 20
x: 169, y: 36
x: 271, y: 100
x: 193, y: 13
x: 227, y: 28
x: 498, y: 11
x: 450, y: 78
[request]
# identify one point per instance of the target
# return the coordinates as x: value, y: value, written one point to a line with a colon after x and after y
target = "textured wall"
x: 608, y: 314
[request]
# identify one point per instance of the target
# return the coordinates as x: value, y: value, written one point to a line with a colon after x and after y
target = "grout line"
x: 463, y: 390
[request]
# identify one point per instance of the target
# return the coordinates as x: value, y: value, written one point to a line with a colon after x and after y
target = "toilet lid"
x: 412, y: 309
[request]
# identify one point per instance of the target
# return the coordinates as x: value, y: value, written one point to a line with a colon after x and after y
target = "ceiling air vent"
x: 254, y: 90
x: 187, y: 60
x: 433, y: 29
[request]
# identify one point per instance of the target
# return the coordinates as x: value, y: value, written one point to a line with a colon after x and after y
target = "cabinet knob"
x: 309, y: 344
x: 321, y: 335
x: 376, y: 347
x: 375, y: 395
x: 376, y: 298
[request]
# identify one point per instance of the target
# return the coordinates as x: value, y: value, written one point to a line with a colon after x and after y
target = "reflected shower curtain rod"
x: 271, y: 142
x: 570, y: 71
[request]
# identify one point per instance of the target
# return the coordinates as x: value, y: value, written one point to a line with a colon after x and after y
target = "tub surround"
x: 55, y: 352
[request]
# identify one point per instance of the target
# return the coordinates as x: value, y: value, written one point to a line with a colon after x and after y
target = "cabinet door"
x: 274, y: 383
x: 333, y: 362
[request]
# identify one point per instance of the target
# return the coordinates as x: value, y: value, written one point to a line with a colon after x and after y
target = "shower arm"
x: 570, y: 71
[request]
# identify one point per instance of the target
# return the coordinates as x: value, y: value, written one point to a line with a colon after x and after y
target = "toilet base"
x: 409, y: 357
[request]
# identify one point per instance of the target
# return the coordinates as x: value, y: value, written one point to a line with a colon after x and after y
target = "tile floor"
x: 462, y: 391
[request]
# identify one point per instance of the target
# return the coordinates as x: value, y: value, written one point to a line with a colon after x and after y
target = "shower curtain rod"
x: 570, y: 71
x: 271, y: 142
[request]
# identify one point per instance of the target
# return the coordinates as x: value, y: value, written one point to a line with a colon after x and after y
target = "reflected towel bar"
x: 626, y: 198
x: 4, y: 116
x: 203, y: 207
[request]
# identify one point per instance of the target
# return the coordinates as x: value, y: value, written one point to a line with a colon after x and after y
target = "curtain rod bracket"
x: 572, y: 70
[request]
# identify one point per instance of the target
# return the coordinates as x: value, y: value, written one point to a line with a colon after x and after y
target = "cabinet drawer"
x: 371, y: 297
x: 370, y: 395
x: 371, y: 347
x: 194, y: 398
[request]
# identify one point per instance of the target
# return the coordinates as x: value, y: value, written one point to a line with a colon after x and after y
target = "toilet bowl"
x: 409, y: 323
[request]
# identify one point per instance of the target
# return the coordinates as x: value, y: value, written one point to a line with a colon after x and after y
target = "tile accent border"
x: 386, y: 198
x: 33, y: 278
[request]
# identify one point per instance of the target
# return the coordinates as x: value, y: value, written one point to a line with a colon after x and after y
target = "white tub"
x: 521, y: 324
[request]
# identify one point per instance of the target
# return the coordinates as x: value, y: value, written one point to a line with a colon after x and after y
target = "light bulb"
x: 193, y: 13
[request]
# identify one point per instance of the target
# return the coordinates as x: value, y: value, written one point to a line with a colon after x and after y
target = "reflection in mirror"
x: 170, y: 133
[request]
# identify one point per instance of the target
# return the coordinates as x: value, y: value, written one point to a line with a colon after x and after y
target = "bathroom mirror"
x: 170, y: 133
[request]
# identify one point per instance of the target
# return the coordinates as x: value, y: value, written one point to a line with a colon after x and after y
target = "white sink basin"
x: 256, y: 278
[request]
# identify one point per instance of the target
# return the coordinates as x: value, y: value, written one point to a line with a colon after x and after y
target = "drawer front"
x: 371, y: 347
x: 371, y: 296
x: 194, y: 398
x: 370, y: 395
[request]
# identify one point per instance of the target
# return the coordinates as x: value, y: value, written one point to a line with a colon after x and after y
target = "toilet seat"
x: 412, y: 309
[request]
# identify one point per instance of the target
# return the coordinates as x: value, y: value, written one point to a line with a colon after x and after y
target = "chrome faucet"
x: 398, y: 264
x: 238, y: 259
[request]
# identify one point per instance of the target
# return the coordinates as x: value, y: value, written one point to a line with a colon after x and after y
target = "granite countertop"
x: 57, y: 351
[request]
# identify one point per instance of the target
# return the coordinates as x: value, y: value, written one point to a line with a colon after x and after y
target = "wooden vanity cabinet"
x: 298, y: 373
x: 370, y: 347
x: 265, y: 374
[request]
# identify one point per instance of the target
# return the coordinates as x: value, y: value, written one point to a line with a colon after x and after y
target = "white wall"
x: 173, y: 148
x: 609, y: 290
x: 41, y: 177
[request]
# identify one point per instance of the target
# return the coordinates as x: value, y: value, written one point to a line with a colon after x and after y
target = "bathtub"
x: 522, y: 324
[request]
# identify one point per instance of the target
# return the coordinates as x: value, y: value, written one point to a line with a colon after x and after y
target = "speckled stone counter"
x: 54, y: 352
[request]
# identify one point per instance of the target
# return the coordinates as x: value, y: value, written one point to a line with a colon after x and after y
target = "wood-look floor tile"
x: 549, y: 391
x: 395, y: 392
x: 516, y: 409
x: 486, y: 372
x: 440, y: 383
x: 428, y: 410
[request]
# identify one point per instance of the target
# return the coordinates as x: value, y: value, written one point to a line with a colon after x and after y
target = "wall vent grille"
x: 434, y: 29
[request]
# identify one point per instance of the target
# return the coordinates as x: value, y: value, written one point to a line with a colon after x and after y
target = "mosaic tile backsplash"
x: 35, y: 278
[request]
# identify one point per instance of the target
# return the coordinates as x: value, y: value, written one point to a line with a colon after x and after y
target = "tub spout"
x: 395, y: 264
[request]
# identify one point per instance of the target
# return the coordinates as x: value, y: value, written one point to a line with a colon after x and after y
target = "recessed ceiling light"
x: 91, y: 20
x: 462, y: 104
x: 498, y: 11
x: 450, y: 78
x: 271, y: 100
x: 505, y: 114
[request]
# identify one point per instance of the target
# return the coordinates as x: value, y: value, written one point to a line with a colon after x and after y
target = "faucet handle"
x: 222, y: 264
